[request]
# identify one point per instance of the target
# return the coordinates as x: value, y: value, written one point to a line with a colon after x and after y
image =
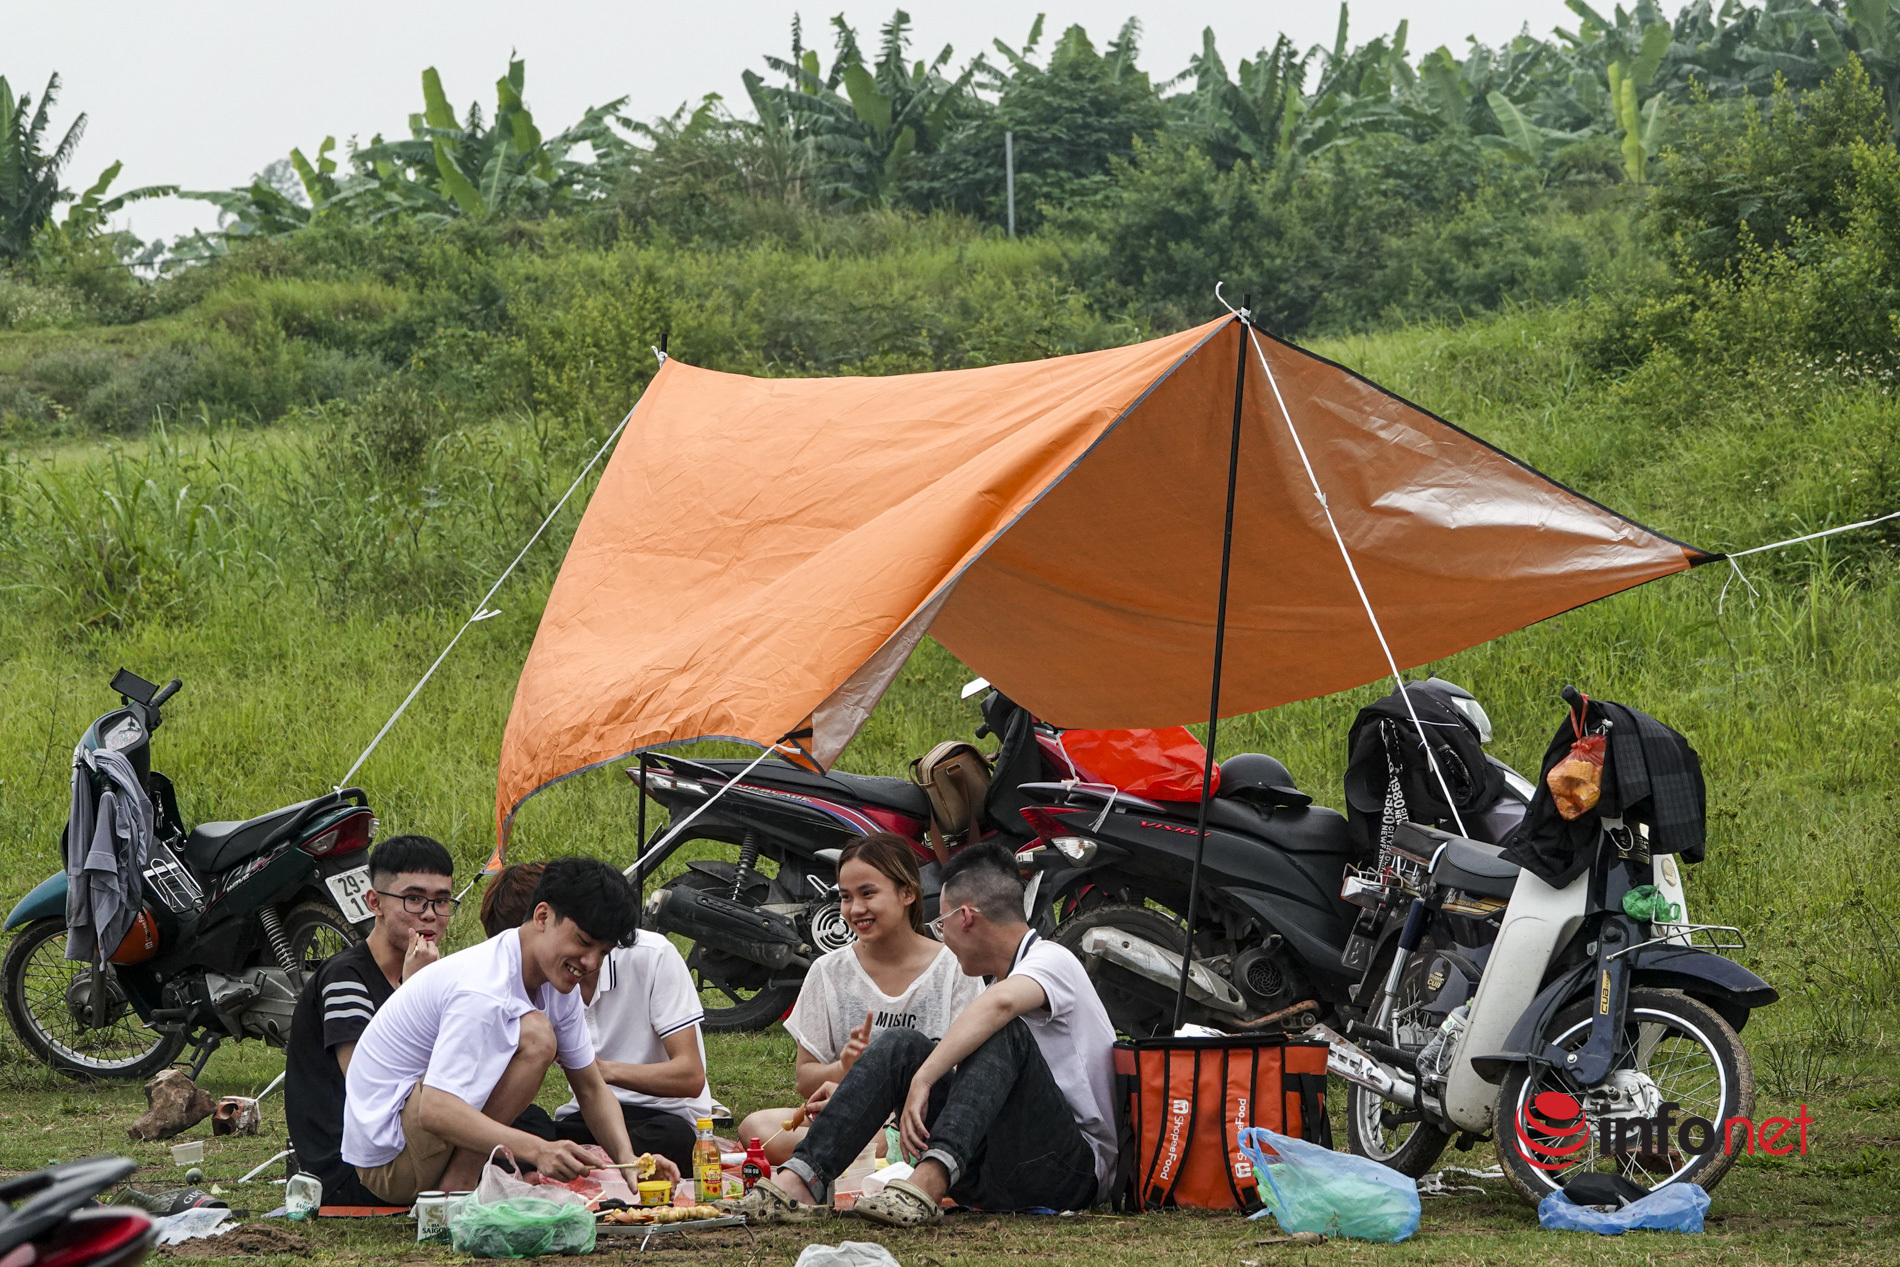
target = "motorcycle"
x: 1281, y: 939
x: 755, y: 931
x: 1552, y: 1020
x: 234, y: 914
x: 49, y: 1218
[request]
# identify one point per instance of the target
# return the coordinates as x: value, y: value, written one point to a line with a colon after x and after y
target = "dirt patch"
x: 245, y: 1239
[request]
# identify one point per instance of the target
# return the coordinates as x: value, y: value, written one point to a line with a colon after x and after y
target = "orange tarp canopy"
x: 762, y: 554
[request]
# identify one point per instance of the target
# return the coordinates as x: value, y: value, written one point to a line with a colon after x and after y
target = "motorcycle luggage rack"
x: 176, y: 887
x: 1692, y: 937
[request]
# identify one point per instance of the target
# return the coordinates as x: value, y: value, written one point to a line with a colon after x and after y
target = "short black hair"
x: 985, y: 876
x: 423, y: 855
x: 592, y: 894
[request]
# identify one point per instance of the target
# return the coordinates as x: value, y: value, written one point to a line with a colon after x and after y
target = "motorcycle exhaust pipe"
x: 763, y: 937
x: 1161, y: 965
x: 1349, y: 1061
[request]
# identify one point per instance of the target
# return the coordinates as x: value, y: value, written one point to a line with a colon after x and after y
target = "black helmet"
x: 1260, y: 780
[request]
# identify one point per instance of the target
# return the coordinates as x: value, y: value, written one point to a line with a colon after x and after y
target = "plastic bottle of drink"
x: 1444, y: 1043
x: 708, y: 1175
x: 755, y: 1167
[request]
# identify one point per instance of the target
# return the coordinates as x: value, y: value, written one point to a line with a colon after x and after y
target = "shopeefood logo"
x: 1552, y: 1133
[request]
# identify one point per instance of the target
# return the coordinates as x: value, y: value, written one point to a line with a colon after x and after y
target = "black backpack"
x: 1390, y: 781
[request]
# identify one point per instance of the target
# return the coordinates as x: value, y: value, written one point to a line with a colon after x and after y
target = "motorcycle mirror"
x: 971, y: 688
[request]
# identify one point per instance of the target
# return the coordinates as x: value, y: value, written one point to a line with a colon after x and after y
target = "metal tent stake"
x: 1220, y: 645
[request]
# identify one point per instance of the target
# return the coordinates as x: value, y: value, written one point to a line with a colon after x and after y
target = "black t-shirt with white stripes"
x: 335, y: 1007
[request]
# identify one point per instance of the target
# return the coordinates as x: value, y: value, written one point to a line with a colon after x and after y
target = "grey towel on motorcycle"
x: 1652, y: 776
x: 108, y: 838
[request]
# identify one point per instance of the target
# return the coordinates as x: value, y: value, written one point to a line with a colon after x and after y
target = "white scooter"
x: 1577, y: 1036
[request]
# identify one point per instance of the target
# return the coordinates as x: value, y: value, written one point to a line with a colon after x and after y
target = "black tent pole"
x: 1220, y: 645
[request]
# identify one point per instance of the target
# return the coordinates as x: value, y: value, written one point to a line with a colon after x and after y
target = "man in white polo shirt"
x: 644, y: 1013
x: 462, y: 1048
x: 1011, y: 1109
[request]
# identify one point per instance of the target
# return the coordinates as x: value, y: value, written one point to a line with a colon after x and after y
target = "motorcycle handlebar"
x: 165, y: 692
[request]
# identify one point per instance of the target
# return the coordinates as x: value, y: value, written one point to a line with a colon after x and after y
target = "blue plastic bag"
x: 1679, y: 1207
x: 1313, y: 1189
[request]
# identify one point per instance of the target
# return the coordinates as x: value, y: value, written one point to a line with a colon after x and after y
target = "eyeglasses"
x: 936, y: 925
x: 415, y: 903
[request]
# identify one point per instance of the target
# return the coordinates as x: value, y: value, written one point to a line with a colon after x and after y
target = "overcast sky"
x: 204, y: 94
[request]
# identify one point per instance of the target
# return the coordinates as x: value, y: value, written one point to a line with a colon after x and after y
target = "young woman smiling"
x: 894, y: 976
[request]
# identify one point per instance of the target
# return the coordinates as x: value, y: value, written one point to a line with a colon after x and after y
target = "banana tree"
x: 862, y: 120
x: 444, y: 170
x: 30, y: 189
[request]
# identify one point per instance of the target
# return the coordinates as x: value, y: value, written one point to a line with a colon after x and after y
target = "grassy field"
x: 1839, y: 1204
x: 299, y: 588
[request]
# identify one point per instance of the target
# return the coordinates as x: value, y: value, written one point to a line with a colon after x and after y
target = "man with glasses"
x: 411, y: 891
x: 1011, y: 1109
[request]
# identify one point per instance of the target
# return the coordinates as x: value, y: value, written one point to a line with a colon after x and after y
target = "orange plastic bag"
x: 1163, y: 765
x: 1576, y: 782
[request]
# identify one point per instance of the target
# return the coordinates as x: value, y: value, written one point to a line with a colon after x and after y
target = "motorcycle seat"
x: 1314, y: 829
x: 213, y: 847
x: 1471, y: 867
x: 887, y: 793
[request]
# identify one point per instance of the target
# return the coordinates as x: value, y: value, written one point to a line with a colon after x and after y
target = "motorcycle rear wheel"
x: 316, y: 931
x: 1139, y: 1008
x: 1691, y: 1057
x: 38, y: 985
x: 734, y: 993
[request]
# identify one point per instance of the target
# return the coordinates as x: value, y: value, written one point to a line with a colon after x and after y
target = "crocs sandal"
x: 901, y: 1204
x: 768, y: 1203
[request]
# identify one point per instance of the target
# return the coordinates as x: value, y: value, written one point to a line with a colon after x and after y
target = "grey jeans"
x: 998, y: 1122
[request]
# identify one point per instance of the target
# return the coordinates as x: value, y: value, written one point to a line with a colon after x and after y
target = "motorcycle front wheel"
x: 48, y: 999
x: 1407, y: 1146
x: 1672, y: 1050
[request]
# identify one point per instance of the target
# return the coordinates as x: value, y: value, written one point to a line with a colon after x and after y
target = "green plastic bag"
x: 522, y: 1227
x: 1310, y: 1188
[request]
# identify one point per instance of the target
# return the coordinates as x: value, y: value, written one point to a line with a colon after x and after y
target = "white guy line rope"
x: 1825, y: 532
x: 482, y: 610
x: 1735, y: 569
x: 1352, y: 571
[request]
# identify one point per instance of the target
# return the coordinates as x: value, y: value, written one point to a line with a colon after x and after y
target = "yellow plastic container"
x: 656, y: 1192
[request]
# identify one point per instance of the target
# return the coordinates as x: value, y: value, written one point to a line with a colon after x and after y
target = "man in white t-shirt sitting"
x: 1010, y: 1110
x: 462, y: 1048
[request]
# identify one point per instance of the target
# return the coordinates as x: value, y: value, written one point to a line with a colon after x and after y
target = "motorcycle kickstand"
x: 201, y: 1052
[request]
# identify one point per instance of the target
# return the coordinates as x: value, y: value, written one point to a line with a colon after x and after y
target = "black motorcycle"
x: 1290, y: 918
x: 49, y: 1218
x: 233, y: 914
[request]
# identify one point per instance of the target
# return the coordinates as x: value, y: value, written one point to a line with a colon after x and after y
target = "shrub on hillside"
x: 1385, y: 228
x: 1782, y: 237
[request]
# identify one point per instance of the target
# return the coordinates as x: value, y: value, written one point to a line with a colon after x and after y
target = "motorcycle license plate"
x: 349, y: 890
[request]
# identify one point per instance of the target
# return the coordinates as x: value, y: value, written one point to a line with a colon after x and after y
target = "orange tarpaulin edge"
x: 760, y: 552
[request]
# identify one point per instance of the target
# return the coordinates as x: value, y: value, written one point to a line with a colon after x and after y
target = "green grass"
x: 1839, y: 1204
x: 300, y: 582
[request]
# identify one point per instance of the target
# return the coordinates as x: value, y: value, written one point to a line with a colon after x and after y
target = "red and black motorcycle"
x: 50, y: 1218
x: 758, y: 897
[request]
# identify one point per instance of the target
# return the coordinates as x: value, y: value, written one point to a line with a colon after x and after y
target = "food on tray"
x: 664, y: 1214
